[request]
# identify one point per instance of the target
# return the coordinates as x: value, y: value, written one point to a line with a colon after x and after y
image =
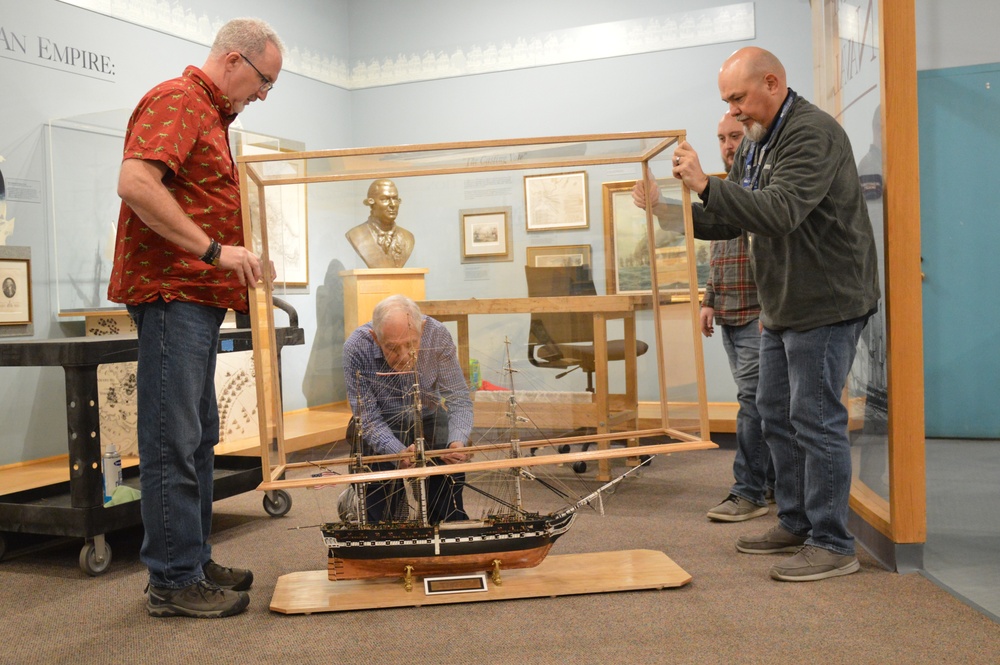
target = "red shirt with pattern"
x: 184, y: 124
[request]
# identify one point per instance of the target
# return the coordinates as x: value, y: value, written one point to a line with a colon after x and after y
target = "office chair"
x: 565, y: 340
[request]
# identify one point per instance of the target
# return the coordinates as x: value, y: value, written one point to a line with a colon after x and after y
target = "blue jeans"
x: 444, y: 493
x: 802, y: 378
x: 752, y: 468
x: 178, y: 429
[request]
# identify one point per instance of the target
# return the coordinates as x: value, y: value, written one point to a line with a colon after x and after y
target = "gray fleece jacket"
x: 811, y: 245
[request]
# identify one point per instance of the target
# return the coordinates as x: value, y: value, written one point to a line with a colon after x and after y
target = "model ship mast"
x: 512, y: 419
x: 358, y: 464
x: 420, y: 487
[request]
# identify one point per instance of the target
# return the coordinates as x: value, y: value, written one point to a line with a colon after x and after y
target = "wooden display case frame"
x: 687, y: 425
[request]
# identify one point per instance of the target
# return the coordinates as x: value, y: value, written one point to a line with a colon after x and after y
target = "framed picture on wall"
x: 486, y: 235
x: 558, y: 255
x: 626, y: 243
x: 15, y: 292
x: 556, y: 201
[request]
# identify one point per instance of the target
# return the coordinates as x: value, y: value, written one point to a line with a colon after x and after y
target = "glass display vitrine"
x: 550, y: 280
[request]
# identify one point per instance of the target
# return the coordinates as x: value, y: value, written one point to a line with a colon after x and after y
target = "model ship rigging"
x: 403, y: 541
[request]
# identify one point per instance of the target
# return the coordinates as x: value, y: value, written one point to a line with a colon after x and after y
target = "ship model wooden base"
x: 311, y: 592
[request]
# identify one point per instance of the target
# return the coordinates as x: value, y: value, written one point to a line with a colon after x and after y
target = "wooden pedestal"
x: 365, y: 288
x: 559, y: 575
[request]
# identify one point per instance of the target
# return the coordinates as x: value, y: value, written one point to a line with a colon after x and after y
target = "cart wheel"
x: 3, y: 546
x: 277, y: 505
x: 92, y: 562
x: 580, y: 467
x: 562, y: 449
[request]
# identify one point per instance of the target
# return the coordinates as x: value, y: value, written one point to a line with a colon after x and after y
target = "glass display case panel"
x: 287, y: 208
x: 679, y: 270
x: 84, y: 154
x: 512, y: 253
x: 856, y: 103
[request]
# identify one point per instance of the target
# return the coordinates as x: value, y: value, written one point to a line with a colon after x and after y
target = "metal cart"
x: 76, y: 508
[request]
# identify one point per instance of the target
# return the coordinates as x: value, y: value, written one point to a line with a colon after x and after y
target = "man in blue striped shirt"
x: 385, y: 361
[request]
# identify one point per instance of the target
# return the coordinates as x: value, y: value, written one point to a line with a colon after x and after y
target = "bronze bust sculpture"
x: 379, y: 241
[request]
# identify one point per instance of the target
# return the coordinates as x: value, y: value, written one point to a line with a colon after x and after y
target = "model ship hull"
x: 385, y: 550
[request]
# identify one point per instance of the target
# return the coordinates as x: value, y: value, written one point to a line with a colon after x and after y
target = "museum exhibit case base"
x: 311, y: 591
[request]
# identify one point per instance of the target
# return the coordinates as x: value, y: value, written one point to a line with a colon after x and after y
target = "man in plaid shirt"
x: 731, y: 299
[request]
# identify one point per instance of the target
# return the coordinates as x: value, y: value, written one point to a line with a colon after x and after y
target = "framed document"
x: 556, y: 202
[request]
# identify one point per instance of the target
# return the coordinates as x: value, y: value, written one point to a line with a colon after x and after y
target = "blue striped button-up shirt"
x: 382, y: 398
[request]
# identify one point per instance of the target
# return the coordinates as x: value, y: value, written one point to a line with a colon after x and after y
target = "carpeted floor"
x: 731, y: 612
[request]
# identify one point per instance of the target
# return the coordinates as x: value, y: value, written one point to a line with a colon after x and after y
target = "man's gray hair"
x: 392, y: 304
x: 246, y: 35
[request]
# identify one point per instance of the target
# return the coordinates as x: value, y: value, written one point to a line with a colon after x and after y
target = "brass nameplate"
x: 455, y: 584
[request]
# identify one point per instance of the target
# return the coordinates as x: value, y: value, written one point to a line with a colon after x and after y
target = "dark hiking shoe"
x: 235, y: 579
x: 201, y: 600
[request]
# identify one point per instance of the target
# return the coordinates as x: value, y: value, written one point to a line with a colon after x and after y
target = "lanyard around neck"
x: 758, y: 150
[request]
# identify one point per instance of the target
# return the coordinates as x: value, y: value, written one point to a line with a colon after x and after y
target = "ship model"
x: 504, y: 536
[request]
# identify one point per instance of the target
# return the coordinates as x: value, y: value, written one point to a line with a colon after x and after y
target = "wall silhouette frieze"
x: 697, y: 27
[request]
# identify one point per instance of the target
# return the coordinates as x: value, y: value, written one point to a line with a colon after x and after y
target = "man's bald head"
x: 753, y: 82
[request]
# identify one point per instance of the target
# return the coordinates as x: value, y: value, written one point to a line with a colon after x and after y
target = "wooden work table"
x: 603, y: 308
x: 615, y: 304
x: 610, y: 411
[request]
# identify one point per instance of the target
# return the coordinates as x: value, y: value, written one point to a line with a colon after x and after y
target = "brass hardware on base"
x: 495, y: 575
x: 408, y: 578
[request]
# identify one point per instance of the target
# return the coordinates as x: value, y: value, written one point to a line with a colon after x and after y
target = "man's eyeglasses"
x: 266, y: 85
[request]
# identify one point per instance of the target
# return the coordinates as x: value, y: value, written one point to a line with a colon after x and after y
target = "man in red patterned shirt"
x: 179, y: 265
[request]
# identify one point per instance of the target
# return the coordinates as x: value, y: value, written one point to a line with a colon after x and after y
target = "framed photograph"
x: 626, y: 244
x: 558, y: 255
x: 15, y: 292
x: 556, y: 202
x: 486, y: 235
x: 287, y: 212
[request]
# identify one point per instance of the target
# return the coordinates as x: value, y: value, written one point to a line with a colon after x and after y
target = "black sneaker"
x: 201, y: 600
x: 236, y: 579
